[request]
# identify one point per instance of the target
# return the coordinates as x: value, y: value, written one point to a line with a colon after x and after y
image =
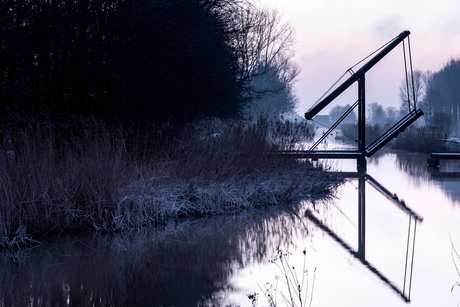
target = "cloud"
x: 389, y: 26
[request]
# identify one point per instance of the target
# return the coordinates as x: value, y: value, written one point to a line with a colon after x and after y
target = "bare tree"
x: 412, y: 91
x: 263, y: 45
x: 442, y: 99
x: 155, y: 60
x: 451, y: 76
x: 283, y: 100
x: 392, y: 115
x: 376, y: 113
x: 337, y: 112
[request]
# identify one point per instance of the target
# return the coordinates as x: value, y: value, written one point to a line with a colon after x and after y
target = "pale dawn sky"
x: 333, y: 35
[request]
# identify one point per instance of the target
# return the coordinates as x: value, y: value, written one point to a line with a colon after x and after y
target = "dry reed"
x: 421, y: 139
x: 90, y: 175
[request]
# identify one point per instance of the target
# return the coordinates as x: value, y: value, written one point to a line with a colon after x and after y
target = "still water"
x: 386, y: 237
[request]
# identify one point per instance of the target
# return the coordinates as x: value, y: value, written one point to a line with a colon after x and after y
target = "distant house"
x: 322, y: 121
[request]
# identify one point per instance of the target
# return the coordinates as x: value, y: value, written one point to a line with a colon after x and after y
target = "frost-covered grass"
x: 90, y: 175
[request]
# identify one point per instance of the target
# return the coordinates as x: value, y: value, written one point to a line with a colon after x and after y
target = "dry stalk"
x: 92, y: 175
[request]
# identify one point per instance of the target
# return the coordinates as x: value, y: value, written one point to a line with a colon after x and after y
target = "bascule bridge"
x: 359, y: 76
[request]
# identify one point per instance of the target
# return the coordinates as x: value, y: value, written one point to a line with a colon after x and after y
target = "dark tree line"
x: 437, y: 94
x: 127, y: 61
x: 441, y: 103
x: 336, y: 112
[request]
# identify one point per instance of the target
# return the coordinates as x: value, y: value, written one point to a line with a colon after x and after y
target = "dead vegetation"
x: 90, y: 175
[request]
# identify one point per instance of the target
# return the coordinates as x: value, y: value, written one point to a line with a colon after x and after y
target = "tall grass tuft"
x: 455, y: 258
x: 91, y: 175
x: 295, y: 286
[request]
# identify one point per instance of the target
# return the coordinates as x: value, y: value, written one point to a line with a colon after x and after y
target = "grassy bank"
x: 421, y: 139
x: 90, y: 175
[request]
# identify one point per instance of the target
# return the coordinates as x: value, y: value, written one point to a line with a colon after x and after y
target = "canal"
x: 389, y: 246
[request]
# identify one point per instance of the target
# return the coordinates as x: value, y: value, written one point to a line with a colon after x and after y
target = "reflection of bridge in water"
x: 363, y: 151
x: 360, y: 253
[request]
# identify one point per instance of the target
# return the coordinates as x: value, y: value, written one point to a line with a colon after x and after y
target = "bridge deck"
x: 393, y: 132
x: 445, y: 155
x: 354, y: 154
x: 321, y: 154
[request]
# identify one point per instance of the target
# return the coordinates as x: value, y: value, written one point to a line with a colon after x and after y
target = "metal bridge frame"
x: 359, y: 76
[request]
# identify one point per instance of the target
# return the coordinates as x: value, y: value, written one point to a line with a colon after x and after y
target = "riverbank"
x: 416, y: 139
x: 90, y: 175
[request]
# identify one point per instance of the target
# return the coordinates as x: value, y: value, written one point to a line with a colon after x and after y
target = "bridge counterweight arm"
x: 356, y: 76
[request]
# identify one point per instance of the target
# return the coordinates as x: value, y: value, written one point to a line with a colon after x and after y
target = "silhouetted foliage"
x: 337, y: 112
x: 373, y: 132
x: 119, y: 60
x: 420, y: 139
x: 442, y: 100
x: 275, y: 97
x: 412, y: 89
x: 263, y: 45
x: 376, y: 114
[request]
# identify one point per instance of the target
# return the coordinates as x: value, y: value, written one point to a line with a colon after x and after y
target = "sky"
x: 333, y: 35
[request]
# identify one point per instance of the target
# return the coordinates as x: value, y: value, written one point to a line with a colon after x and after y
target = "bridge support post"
x: 362, y: 123
x: 433, y: 162
x: 361, y: 115
x: 361, y: 164
x: 362, y: 216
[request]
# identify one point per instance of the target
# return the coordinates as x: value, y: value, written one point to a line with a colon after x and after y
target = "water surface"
x: 218, y: 261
